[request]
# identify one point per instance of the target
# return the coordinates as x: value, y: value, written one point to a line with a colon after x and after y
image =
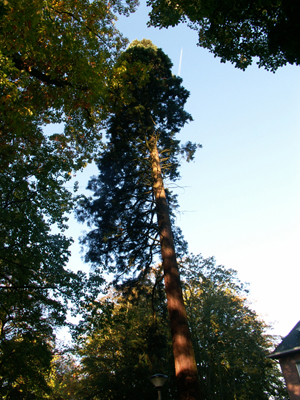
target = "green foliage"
x: 25, y: 363
x: 229, y: 339
x: 64, y: 379
x: 238, y: 30
x: 125, y: 342
x: 145, y: 43
x: 130, y: 213
x: 35, y: 287
x: 55, y: 59
x: 124, y: 338
x: 124, y: 236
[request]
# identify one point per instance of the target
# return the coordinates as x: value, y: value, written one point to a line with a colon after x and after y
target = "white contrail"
x: 180, y: 61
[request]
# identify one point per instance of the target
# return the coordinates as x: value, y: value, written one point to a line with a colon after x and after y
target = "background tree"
x: 64, y: 378
x: 24, y: 365
x: 130, y: 214
x: 238, y: 31
x: 35, y: 287
x: 55, y: 59
x: 230, y: 340
x: 124, y: 338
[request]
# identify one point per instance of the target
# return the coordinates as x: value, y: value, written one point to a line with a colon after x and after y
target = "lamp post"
x: 158, y: 381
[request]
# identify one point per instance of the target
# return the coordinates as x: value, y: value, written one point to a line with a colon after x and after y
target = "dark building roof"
x: 289, y: 345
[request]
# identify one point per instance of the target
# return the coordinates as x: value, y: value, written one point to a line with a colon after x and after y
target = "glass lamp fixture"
x: 158, y: 381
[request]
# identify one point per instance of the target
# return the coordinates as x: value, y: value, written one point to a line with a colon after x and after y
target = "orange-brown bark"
x: 184, y: 358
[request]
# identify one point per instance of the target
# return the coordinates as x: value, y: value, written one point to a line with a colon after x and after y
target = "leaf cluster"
x: 238, y: 31
x: 230, y: 340
x: 24, y: 365
x: 64, y: 377
x: 55, y: 59
x: 125, y: 338
x: 124, y: 344
x: 35, y: 287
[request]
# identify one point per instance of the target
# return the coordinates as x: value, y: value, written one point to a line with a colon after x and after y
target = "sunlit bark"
x: 184, y: 358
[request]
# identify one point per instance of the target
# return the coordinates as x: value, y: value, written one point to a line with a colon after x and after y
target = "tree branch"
x: 21, y: 65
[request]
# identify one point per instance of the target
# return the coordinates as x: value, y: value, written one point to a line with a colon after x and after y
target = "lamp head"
x: 158, y: 380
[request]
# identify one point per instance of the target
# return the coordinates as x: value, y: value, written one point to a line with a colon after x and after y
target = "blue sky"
x: 240, y: 199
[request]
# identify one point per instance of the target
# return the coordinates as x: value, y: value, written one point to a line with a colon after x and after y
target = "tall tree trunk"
x: 184, y: 357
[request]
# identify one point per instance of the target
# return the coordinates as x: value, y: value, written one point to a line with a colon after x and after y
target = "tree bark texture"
x: 184, y: 357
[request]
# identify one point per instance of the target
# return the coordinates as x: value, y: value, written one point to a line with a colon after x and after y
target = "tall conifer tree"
x: 131, y: 213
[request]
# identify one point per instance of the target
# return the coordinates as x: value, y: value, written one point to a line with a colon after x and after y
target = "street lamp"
x: 158, y: 381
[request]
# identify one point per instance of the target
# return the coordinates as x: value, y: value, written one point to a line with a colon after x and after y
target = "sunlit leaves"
x: 125, y: 343
x: 55, y: 62
x: 64, y: 378
x: 25, y: 363
x: 55, y: 59
x: 35, y: 287
x: 230, y: 340
x: 124, y: 338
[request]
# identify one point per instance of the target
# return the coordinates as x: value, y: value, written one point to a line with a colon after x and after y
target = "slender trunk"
x: 184, y: 358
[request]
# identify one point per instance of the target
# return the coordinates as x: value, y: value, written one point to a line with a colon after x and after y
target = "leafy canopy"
x: 238, y: 30
x: 230, y: 340
x: 35, y: 286
x: 55, y: 60
x: 124, y: 338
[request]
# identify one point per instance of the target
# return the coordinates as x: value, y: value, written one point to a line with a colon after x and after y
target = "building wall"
x: 291, y: 376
